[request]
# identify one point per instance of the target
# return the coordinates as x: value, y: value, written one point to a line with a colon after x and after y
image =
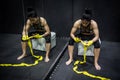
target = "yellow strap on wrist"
x: 36, y: 36
x: 25, y: 37
x: 90, y: 43
x: 76, y: 39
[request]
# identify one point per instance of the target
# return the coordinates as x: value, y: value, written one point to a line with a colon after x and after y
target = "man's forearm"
x: 45, y: 34
x: 95, y: 38
x: 72, y: 35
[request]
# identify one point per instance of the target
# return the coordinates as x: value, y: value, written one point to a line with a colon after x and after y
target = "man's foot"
x: 97, y: 67
x: 47, y: 59
x: 68, y: 62
x: 20, y: 57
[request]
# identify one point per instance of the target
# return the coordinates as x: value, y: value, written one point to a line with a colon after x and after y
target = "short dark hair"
x: 87, y: 15
x: 31, y: 13
x: 88, y: 11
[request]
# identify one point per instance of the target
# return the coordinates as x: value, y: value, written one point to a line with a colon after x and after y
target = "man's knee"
x: 71, y: 42
x: 48, y: 38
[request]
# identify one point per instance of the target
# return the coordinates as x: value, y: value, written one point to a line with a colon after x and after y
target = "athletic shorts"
x: 96, y: 44
x: 47, y: 38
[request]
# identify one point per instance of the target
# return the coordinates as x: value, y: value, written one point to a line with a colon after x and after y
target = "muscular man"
x: 88, y: 31
x: 38, y: 25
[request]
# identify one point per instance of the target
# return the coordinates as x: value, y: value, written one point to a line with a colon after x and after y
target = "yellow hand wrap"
x: 76, y: 39
x: 25, y: 37
x: 38, y: 36
x: 90, y: 43
x: 84, y: 43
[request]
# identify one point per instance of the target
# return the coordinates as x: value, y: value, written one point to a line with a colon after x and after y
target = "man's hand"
x: 25, y: 37
x: 90, y: 43
x: 76, y: 39
x: 84, y: 43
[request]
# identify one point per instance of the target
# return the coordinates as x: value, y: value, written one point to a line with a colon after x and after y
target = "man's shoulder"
x: 41, y: 17
x: 93, y: 22
x: 78, y: 21
x: 28, y: 21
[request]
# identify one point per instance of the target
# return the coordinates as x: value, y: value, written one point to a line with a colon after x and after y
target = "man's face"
x: 34, y: 20
x: 85, y: 22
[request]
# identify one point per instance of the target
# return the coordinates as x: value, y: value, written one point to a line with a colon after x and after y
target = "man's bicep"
x: 27, y: 25
x: 45, y: 25
x: 47, y: 28
x: 96, y: 31
x: 73, y: 29
x: 43, y: 21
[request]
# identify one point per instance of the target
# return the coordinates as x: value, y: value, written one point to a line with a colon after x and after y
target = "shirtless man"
x: 88, y: 31
x: 39, y: 26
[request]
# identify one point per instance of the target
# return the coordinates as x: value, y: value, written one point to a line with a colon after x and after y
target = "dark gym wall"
x: 37, y: 4
x: 60, y: 15
x: 107, y: 15
x: 11, y: 16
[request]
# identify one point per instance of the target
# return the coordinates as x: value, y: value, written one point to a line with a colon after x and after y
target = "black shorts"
x: 96, y: 44
x: 47, y: 38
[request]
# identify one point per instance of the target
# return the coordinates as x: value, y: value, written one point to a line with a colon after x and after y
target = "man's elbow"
x: 97, y: 37
x: 48, y: 32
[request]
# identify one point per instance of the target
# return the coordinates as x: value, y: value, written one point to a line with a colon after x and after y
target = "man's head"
x: 31, y: 14
x: 86, y: 17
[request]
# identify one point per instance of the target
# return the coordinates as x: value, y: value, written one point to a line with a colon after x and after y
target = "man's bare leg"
x: 70, y: 51
x: 24, y: 45
x: 47, y: 52
x: 96, y: 57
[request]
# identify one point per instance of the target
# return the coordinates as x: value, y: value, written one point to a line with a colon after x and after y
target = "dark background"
x: 60, y: 15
